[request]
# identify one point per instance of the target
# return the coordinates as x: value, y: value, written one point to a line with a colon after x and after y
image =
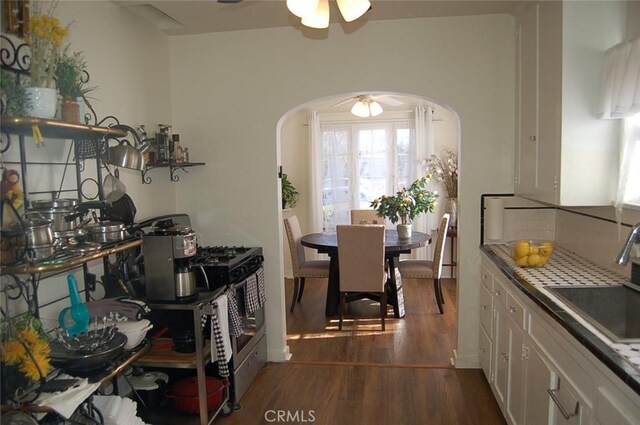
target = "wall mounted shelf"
x: 173, y: 166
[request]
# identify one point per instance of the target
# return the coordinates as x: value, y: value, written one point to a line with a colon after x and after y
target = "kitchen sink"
x: 614, y: 310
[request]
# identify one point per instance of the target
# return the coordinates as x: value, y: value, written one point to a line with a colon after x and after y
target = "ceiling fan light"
x: 375, y: 108
x: 319, y: 18
x: 302, y: 8
x: 360, y: 109
x: 353, y: 9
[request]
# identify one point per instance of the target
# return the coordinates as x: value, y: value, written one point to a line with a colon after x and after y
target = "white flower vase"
x: 43, y: 102
x: 404, y: 231
x: 452, y: 209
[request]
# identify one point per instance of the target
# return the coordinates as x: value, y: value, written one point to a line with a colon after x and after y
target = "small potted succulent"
x: 289, y: 193
x: 406, y: 205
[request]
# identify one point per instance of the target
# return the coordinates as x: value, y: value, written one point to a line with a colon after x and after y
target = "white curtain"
x: 315, y: 173
x: 621, y: 99
x: 424, y: 133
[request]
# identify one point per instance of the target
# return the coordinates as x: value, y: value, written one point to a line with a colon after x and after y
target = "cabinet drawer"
x: 485, y: 354
x: 567, y: 409
x: 247, y: 371
x: 499, y: 295
x: 516, y: 311
x: 486, y: 310
x: 487, y: 278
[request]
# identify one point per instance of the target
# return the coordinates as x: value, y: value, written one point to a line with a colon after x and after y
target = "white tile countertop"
x: 567, y: 268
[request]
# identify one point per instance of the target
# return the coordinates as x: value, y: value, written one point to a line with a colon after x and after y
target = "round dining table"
x: 327, y: 243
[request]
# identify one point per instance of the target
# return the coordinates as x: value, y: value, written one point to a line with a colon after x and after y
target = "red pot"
x: 185, y: 394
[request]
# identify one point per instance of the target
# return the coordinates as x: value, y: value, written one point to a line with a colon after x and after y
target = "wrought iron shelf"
x: 173, y: 166
x: 57, y: 129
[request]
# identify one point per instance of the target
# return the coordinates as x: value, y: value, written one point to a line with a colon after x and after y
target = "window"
x: 360, y: 162
x: 629, y: 180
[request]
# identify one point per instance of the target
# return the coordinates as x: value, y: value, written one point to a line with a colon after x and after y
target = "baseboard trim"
x: 465, y: 362
x: 367, y: 364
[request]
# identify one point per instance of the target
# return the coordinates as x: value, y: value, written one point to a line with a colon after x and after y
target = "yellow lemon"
x: 546, y: 248
x: 521, y: 249
x: 533, y: 260
x: 535, y: 249
x: 522, y: 261
x: 543, y: 260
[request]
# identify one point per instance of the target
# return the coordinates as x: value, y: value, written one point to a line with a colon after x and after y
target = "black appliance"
x: 229, y: 267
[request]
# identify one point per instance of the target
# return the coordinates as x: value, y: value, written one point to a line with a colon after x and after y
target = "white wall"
x: 229, y: 91
x: 128, y: 61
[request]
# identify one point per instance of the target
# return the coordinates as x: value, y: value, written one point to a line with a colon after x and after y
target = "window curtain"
x: 315, y: 173
x: 620, y: 98
x: 424, y: 137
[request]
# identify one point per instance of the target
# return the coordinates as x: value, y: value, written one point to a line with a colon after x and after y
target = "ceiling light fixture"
x: 315, y: 13
x: 366, y: 107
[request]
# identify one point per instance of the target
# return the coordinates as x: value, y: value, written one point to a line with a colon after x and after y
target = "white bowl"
x: 134, y: 330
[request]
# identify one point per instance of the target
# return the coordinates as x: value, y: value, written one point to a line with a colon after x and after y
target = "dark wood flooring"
x: 361, y: 375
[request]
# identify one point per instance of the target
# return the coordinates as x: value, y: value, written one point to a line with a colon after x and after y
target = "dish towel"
x: 217, y: 348
x: 221, y: 350
x: 262, y: 296
x: 235, y: 324
x: 251, y: 301
x: 66, y: 402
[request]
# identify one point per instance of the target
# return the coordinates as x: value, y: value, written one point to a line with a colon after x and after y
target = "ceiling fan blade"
x: 388, y: 100
x: 229, y: 1
x: 342, y: 102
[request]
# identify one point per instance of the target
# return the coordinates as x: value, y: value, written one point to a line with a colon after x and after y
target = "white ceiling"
x: 178, y: 17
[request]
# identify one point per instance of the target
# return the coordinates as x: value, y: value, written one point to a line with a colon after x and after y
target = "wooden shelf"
x: 57, y: 129
x: 167, y: 357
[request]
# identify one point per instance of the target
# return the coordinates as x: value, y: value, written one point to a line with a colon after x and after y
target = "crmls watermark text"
x: 283, y: 416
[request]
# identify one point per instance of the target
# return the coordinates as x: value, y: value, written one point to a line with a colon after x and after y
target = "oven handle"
x: 204, y: 274
x: 243, y: 282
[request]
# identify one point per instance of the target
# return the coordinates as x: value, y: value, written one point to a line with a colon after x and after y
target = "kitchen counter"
x: 567, y: 268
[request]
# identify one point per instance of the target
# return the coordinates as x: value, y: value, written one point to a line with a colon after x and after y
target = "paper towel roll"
x: 494, y: 218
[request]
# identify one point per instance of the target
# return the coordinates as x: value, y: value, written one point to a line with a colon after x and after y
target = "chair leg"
x: 383, y: 307
x: 440, y: 291
x: 436, y: 292
x: 296, y: 288
x: 342, y: 305
x: 302, y: 279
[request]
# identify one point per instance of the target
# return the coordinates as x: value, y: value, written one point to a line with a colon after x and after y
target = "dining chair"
x: 361, y: 264
x: 429, y: 269
x: 302, y: 268
x: 366, y: 217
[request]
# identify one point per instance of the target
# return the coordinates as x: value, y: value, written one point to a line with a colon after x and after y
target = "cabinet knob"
x: 498, y: 293
x: 533, y: 138
x: 482, y: 350
x: 512, y: 309
x: 484, y: 307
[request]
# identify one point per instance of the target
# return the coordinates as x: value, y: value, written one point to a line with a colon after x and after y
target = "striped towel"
x: 262, y: 296
x: 220, y: 353
x: 251, y: 301
x: 235, y: 324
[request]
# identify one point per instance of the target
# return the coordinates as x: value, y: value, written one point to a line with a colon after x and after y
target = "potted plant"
x: 70, y: 79
x: 289, y: 193
x: 406, y: 205
x: 44, y: 36
x: 15, y: 101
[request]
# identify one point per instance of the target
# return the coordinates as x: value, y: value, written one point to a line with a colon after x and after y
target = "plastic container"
x: 529, y: 253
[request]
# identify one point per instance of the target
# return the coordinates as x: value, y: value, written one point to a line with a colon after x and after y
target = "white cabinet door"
x: 537, y: 400
x: 516, y: 394
x: 485, y: 355
x: 501, y: 357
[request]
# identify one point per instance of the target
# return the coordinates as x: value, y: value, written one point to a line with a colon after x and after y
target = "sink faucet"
x: 634, y: 238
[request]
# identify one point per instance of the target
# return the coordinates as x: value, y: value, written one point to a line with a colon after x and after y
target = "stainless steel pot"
x: 107, y: 231
x: 39, y: 253
x: 58, y: 211
x: 37, y: 228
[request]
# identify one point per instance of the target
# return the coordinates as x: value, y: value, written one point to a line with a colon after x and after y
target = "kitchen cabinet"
x: 542, y: 374
x: 565, y: 154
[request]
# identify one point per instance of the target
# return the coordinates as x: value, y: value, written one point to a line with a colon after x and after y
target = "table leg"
x: 395, y: 293
x: 333, y: 287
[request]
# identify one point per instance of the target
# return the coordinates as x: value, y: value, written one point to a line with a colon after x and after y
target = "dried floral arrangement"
x: 444, y: 170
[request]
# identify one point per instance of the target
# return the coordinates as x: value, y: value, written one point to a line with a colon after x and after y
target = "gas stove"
x: 225, y: 265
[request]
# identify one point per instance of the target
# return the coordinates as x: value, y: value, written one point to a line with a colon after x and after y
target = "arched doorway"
x: 293, y: 131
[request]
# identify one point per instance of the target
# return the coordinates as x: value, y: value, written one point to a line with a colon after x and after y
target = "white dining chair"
x: 302, y: 268
x: 429, y: 269
x: 361, y: 264
x: 366, y: 217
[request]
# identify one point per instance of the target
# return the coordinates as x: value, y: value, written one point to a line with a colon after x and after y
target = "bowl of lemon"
x: 531, y: 253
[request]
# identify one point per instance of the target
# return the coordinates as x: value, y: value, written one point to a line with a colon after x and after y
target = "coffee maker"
x: 167, y: 251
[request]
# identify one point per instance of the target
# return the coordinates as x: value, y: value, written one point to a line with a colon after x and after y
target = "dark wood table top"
x: 328, y: 242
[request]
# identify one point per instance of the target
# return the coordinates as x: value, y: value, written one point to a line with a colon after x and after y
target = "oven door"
x: 252, y: 324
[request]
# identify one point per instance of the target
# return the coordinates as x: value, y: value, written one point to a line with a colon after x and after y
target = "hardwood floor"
x: 361, y: 375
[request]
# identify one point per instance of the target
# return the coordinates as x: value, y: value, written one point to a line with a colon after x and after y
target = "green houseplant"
x: 406, y: 205
x: 15, y: 101
x: 70, y: 81
x: 289, y: 193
